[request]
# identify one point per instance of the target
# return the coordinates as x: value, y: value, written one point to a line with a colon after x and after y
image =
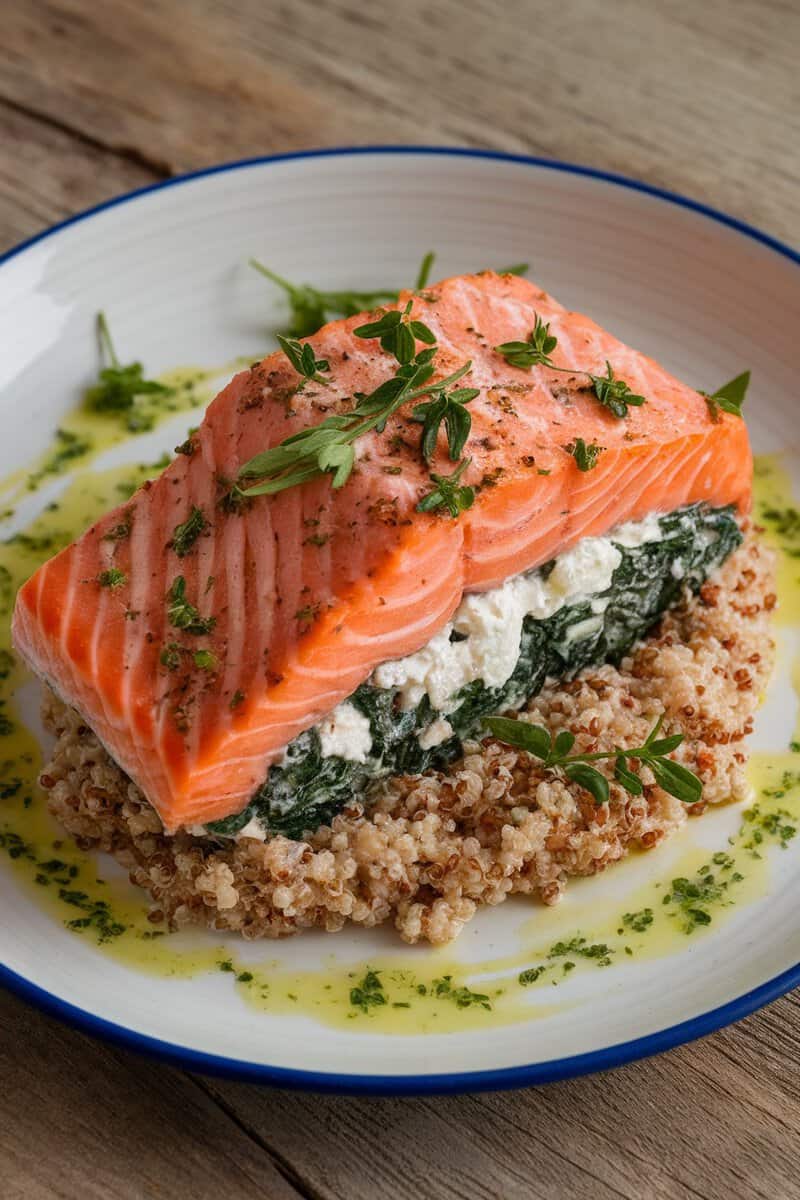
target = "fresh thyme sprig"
x: 535, y: 352
x: 120, y: 385
x: 729, y: 398
x: 327, y: 448
x: 398, y: 333
x: 674, y: 778
x: 585, y: 456
x: 312, y: 307
x: 301, y: 356
x: 614, y: 394
x: 448, y: 493
x: 448, y: 407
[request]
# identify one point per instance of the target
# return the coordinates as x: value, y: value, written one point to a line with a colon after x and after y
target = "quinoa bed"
x: 432, y: 848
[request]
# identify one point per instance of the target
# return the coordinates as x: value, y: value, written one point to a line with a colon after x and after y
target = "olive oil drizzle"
x: 422, y: 990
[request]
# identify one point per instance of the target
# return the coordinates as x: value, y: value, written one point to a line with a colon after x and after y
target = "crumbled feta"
x: 636, y: 533
x: 437, y: 732
x: 490, y: 625
x: 345, y: 733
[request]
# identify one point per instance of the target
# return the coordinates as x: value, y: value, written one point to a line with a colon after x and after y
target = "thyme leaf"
x: 186, y: 534
x: 301, y: 356
x: 448, y: 493
x: 327, y: 448
x: 729, y: 398
x: 181, y: 614
x: 112, y: 578
x: 585, y: 456
x: 671, y: 776
x: 614, y: 394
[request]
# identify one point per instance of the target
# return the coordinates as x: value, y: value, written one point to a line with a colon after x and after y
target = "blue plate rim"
x: 449, y: 1082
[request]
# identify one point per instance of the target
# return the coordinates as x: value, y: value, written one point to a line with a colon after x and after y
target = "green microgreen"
x: 729, y: 398
x: 449, y: 494
x: 183, y: 615
x: 327, y: 448
x: 368, y: 993
x: 672, y: 777
x: 585, y: 456
x: 311, y: 307
x: 535, y: 352
x: 112, y: 578
x: 448, y: 408
x: 301, y: 356
x: 120, y: 385
x: 614, y: 394
x: 186, y: 534
x: 398, y: 333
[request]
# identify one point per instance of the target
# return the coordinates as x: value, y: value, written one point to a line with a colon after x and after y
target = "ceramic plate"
x: 701, y: 292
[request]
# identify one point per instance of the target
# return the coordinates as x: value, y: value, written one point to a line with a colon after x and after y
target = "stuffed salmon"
x: 376, y: 539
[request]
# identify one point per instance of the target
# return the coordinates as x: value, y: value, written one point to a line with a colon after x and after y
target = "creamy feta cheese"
x: 636, y: 533
x: 488, y: 626
x: 345, y: 732
x: 437, y: 732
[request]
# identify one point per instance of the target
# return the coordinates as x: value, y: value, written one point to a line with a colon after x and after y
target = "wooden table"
x: 96, y: 99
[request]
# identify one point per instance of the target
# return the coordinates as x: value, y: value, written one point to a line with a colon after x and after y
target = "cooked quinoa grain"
x: 432, y: 848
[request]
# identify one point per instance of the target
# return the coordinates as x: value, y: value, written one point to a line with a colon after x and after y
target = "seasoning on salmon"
x: 297, y: 597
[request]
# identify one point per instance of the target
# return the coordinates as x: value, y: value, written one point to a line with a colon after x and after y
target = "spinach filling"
x: 310, y: 788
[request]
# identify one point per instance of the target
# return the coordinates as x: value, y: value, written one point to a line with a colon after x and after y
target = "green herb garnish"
x: 614, y: 394
x: 368, y: 993
x: 462, y: 997
x: 301, y: 356
x: 112, y: 578
x: 729, y: 398
x: 119, y: 386
x: 313, y: 307
x: 68, y: 447
x: 424, y: 273
x: 448, y: 493
x: 672, y: 777
x: 186, y: 534
x: 585, y: 456
x: 204, y: 660
x: 535, y: 352
x: 448, y: 407
x: 327, y: 448
x: 398, y: 333
x: 183, y: 615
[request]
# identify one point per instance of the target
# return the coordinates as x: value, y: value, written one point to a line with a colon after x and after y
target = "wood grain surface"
x: 96, y: 99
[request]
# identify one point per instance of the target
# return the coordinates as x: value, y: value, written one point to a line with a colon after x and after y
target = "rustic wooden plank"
x: 716, y: 1119
x: 51, y: 175
x: 165, y: 84
x: 702, y: 98
x: 83, y: 1121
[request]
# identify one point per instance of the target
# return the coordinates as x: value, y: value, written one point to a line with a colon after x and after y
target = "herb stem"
x: 424, y: 272
x: 106, y: 343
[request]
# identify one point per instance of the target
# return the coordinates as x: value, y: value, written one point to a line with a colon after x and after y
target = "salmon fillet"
x: 300, y: 595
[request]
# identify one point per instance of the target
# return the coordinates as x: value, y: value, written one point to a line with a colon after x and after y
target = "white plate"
x: 697, y: 290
